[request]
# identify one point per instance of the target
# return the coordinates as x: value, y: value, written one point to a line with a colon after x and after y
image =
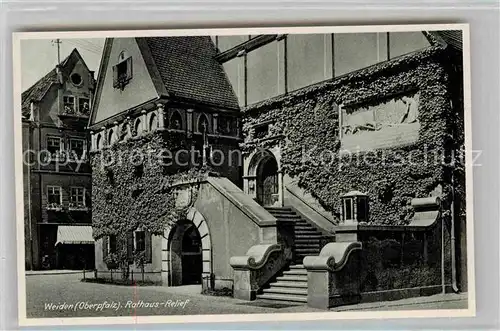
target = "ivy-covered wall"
x: 305, y: 126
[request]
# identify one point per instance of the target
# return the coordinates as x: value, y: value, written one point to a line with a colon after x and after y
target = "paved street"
x: 63, y: 295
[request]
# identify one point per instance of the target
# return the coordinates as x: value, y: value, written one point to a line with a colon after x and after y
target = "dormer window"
x: 122, y: 71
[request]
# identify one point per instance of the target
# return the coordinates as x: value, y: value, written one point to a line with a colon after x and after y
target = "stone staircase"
x: 291, y: 285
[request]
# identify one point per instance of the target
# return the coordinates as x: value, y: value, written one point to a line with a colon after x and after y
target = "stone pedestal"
x: 333, y: 277
x: 256, y: 268
x: 243, y: 285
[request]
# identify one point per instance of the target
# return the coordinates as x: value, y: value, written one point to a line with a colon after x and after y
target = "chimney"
x: 59, y: 74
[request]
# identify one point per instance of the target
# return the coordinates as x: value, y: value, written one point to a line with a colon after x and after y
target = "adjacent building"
x: 57, y: 174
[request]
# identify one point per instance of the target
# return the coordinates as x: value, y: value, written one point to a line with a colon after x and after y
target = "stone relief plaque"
x: 388, y: 124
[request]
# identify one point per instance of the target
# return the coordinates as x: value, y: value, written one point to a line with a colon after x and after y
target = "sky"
x: 39, y: 56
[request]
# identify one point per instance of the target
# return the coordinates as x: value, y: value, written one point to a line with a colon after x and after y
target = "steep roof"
x: 38, y: 90
x: 452, y: 38
x: 188, y: 69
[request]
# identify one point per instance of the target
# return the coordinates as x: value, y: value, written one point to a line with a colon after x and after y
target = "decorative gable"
x: 124, y: 81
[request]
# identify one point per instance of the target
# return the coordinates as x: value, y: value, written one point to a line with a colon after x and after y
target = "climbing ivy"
x: 309, y: 121
x: 131, y: 190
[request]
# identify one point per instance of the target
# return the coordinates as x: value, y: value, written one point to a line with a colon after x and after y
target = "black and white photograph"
x: 261, y: 174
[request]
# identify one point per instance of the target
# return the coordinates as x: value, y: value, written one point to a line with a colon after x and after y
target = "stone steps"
x: 292, y: 278
x: 286, y: 291
x: 283, y: 297
x: 291, y: 285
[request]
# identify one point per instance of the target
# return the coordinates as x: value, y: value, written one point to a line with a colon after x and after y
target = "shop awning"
x: 74, y: 234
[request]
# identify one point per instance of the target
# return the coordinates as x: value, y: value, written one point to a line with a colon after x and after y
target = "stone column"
x: 189, y: 122
x: 144, y: 120
x: 161, y: 115
x: 280, y: 188
x: 104, y: 135
x: 215, y: 124
x: 92, y: 141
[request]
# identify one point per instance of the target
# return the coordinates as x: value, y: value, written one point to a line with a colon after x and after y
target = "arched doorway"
x: 267, y: 181
x: 186, y: 254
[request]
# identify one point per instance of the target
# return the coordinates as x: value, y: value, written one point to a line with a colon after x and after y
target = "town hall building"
x: 312, y: 168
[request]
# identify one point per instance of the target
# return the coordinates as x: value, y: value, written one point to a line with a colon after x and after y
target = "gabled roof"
x: 181, y: 68
x: 38, y: 90
x: 188, y: 69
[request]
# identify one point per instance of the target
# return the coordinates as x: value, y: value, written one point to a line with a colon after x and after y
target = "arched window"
x: 203, y: 126
x: 125, y: 131
x: 98, y: 142
x: 176, y: 121
x: 153, y: 122
x: 111, y: 137
x: 137, y: 127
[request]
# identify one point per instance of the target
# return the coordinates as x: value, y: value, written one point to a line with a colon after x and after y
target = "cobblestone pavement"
x: 63, y: 295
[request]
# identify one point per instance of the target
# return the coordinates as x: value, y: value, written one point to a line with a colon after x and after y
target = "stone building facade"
x: 57, y: 175
x: 301, y: 209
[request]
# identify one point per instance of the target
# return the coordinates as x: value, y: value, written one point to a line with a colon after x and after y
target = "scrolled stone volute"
x: 256, y: 268
x: 333, y: 277
x: 429, y: 202
x: 255, y: 258
x: 333, y: 256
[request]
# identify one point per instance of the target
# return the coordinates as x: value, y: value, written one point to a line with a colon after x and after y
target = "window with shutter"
x: 115, y: 77
x: 122, y: 71
x: 129, y: 68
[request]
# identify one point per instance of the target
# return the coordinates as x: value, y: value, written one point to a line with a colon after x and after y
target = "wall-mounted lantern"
x: 354, y: 207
